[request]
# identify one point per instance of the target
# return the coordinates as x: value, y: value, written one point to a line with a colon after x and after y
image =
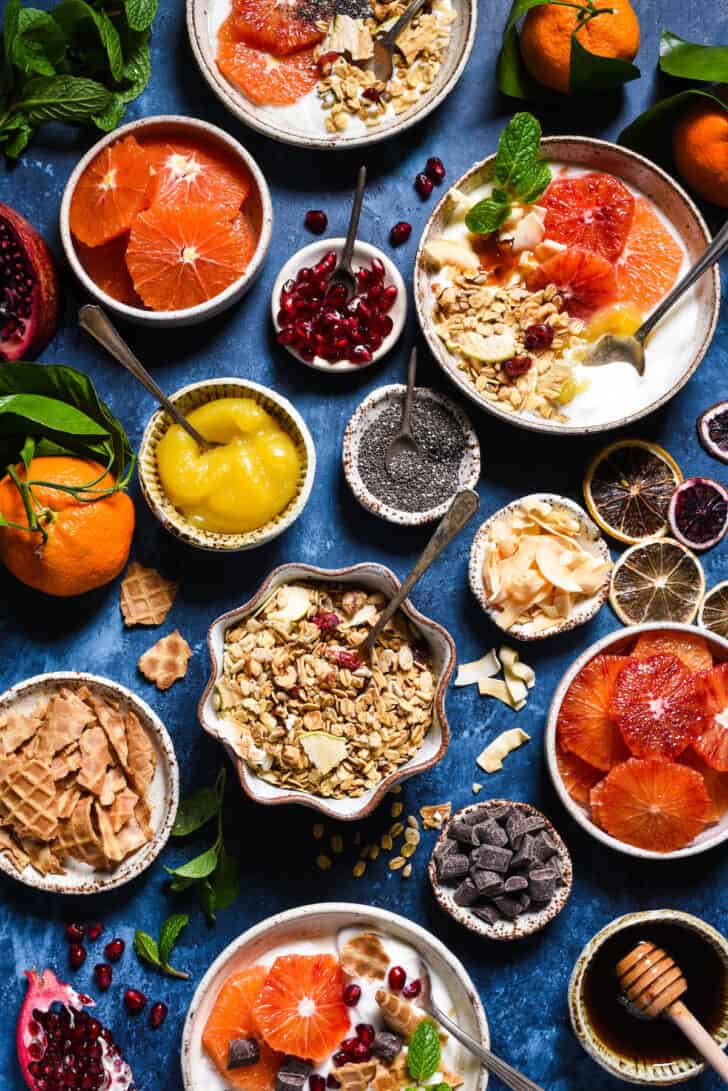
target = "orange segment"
x: 106, y: 265
x: 651, y: 261
x: 659, y: 706
x: 578, y: 777
x: 179, y: 257
x: 300, y: 1008
x: 586, y: 281
x: 690, y: 648
x: 585, y: 726
x: 593, y: 212
x: 232, y: 1017
x: 264, y: 79
x: 716, y: 784
x: 274, y: 26
x: 713, y: 743
x: 110, y: 192
x: 184, y: 173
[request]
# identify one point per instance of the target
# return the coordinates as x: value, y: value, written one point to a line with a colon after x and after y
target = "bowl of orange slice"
x: 166, y: 221
x: 637, y: 740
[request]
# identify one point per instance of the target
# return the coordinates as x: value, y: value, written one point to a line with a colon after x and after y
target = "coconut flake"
x: 491, y: 759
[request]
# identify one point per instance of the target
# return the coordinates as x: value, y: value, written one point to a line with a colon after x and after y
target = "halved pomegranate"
x: 28, y: 288
x: 63, y: 1048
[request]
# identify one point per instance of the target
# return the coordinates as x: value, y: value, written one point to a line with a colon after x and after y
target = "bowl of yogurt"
x: 354, y: 975
x: 510, y: 316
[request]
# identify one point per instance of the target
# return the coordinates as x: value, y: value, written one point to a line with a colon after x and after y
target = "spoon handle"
x: 463, y: 507
x: 706, y: 1046
x: 717, y: 248
x: 96, y: 322
x: 507, y: 1075
x: 348, y: 252
x: 409, y: 393
x: 393, y: 34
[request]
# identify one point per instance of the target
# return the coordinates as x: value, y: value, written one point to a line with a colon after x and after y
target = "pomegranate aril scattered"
x: 538, y: 337
x: 75, y: 933
x: 340, y: 1058
x: 134, y: 1001
x: 316, y: 220
x: 157, y: 1015
x: 114, y: 949
x: 76, y: 956
x: 423, y: 185
x: 103, y: 975
x: 351, y: 995
x: 317, y: 1083
x: 332, y: 1082
x: 94, y: 931
x: 517, y: 366
x: 400, y: 233
x: 349, y: 1044
x: 396, y: 979
x: 435, y: 170
x: 413, y: 989
x: 365, y: 1033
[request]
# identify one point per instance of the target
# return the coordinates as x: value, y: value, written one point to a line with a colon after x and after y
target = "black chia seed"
x: 421, y: 479
x: 314, y: 11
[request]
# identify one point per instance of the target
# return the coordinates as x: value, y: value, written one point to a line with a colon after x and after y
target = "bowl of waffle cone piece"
x: 89, y: 783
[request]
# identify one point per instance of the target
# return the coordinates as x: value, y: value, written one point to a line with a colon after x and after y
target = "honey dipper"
x: 653, y: 983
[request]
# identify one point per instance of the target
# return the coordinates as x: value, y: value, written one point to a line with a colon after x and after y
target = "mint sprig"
x: 158, y: 952
x: 424, y: 1052
x: 520, y: 175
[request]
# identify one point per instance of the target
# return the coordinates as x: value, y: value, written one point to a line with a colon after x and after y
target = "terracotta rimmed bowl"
x: 615, y: 644
x: 163, y: 792
x: 530, y: 922
x: 365, y: 414
x: 373, y: 577
x: 204, y: 18
x: 258, y: 205
x: 191, y: 397
x: 650, y: 1074
x: 324, y: 919
x: 662, y: 190
x: 363, y: 254
x: 591, y: 538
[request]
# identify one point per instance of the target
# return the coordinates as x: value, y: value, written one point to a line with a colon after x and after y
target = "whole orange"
x: 700, y: 150
x: 546, y: 39
x: 88, y: 542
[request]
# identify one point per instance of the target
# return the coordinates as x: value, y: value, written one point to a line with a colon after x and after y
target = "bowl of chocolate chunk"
x: 501, y: 869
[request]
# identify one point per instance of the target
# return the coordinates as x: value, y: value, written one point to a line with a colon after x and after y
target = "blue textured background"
x: 523, y: 985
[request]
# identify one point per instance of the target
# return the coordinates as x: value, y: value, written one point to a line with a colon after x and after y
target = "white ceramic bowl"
x: 163, y: 795
x: 591, y: 539
x: 373, y: 577
x: 614, y: 644
x: 191, y: 397
x: 365, y: 415
x: 295, y: 125
x: 258, y: 205
x: 363, y: 254
x: 322, y: 919
x: 662, y: 190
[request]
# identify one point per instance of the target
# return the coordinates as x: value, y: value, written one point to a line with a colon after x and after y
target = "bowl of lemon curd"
x: 248, y: 488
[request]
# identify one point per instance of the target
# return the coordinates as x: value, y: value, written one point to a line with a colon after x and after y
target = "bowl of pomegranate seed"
x: 324, y: 329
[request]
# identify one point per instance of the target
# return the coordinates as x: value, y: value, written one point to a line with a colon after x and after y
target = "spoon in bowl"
x: 404, y: 441
x: 343, y: 273
x: 382, y: 63
x: 612, y: 348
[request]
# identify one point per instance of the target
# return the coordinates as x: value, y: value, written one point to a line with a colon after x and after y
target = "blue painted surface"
x: 523, y: 985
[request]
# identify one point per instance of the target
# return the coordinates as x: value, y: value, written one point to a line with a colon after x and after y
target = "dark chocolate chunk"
x: 511, y: 906
x: 487, y: 913
x: 292, y: 1074
x: 490, y: 833
x: 499, y: 813
x: 445, y: 848
x: 514, y: 883
x: 480, y: 814
x: 493, y: 858
x: 542, y: 884
x: 243, y: 1052
x: 462, y: 832
x: 466, y: 893
x: 526, y: 856
x: 386, y: 1045
x: 534, y: 823
x: 545, y: 846
x: 515, y: 828
x: 452, y: 867
x: 487, y: 883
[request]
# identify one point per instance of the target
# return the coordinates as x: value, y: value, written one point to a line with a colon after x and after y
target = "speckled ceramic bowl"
x: 662, y: 190
x: 365, y: 415
x: 191, y: 397
x: 163, y: 796
x: 623, y: 1068
x: 373, y: 577
x: 533, y: 920
x: 591, y: 539
x: 615, y: 644
x: 258, y: 206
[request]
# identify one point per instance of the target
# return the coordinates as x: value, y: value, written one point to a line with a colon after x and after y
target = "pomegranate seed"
x: 516, y: 366
x: 351, y: 995
x: 423, y: 185
x: 360, y: 1052
x: 114, y: 949
x: 396, y: 979
x: 157, y: 1015
x: 349, y: 1044
x: 359, y: 355
x: 435, y: 170
x: 94, y: 931
x: 400, y: 233
x: 317, y: 1083
x: 75, y: 933
x: 316, y: 220
x: 340, y: 1058
x: 332, y: 1082
x: 389, y: 297
x: 538, y: 337
x: 413, y: 989
x: 365, y: 1033
x: 134, y: 1001
x: 378, y: 268
x: 76, y: 956
x: 103, y: 975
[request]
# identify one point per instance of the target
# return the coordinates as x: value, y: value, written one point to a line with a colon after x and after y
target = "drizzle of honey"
x: 496, y: 258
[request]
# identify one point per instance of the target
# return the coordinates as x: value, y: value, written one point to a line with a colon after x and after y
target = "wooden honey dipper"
x: 653, y: 983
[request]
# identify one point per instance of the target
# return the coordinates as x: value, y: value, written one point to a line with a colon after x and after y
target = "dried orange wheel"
x: 659, y: 580
x: 657, y: 805
x: 180, y: 257
x: 627, y: 489
x: 263, y: 78
x: 651, y: 260
x: 713, y: 613
x: 659, y: 706
x: 585, y: 726
x: 110, y: 192
x: 106, y: 265
x: 183, y: 173
x: 690, y: 648
x: 713, y: 743
x: 578, y: 777
x: 716, y: 784
x: 232, y: 1017
x: 300, y: 1009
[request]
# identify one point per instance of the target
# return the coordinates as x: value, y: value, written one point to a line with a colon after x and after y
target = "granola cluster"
x: 305, y: 711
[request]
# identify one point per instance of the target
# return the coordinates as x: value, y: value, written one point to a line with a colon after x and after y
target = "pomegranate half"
x: 29, y: 292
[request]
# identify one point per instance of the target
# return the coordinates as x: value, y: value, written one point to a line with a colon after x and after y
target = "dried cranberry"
x: 371, y: 94
x: 326, y: 620
x: 114, y: 949
x: 400, y: 233
x: 413, y: 989
x: 435, y: 170
x: 539, y: 337
x: 316, y: 220
x: 348, y: 660
x: 103, y: 975
x: 516, y: 366
x: 75, y: 933
x: 94, y: 931
x: 316, y: 1082
x: 157, y: 1015
x: 365, y: 1033
x: 76, y: 956
x: 340, y: 1058
x: 423, y: 185
x: 134, y: 1001
x: 351, y: 995
x: 396, y: 979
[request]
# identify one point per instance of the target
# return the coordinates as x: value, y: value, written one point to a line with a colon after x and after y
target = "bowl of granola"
x: 302, y: 716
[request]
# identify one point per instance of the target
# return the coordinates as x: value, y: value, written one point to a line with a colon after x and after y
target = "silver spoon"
x: 614, y: 348
x: 507, y: 1075
x: 382, y: 64
x: 343, y: 273
x: 404, y: 440
x: 464, y: 506
x: 96, y: 322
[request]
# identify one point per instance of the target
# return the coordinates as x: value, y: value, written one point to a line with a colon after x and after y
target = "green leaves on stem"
x: 158, y: 952
x: 520, y: 175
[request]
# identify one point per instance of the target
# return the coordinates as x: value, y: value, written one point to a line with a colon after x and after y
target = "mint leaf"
x: 140, y: 13
x: 195, y: 811
x: 423, y: 1052
x: 17, y: 133
x: 169, y: 933
x: 487, y: 216
x: 533, y: 184
x: 63, y: 98
x: 692, y: 61
x: 518, y: 149
x: 206, y: 896
x: 10, y: 30
x: 440, y: 1087
x: 146, y: 948
x: 38, y: 45
x: 226, y: 881
x: 199, y: 868
x: 112, y: 115
x: 138, y: 66
x: 92, y: 35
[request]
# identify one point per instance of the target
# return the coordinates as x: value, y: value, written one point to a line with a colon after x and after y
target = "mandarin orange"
x: 700, y: 149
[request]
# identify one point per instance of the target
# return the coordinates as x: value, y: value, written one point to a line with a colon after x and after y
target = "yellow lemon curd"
x: 239, y: 486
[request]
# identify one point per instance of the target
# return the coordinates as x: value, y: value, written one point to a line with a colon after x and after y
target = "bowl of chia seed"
x: 424, y: 482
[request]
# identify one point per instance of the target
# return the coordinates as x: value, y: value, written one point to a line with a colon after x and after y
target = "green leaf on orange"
x: 651, y: 132
x: 692, y: 61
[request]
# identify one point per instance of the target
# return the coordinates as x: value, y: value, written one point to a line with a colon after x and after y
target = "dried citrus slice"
x: 264, y: 79
x: 277, y: 27
x: 585, y: 281
x: 179, y: 257
x: 712, y: 426
x: 110, y: 192
x: 690, y: 648
x: 659, y: 705
x: 716, y: 784
x: 651, y: 260
x: 627, y: 489
x: 578, y: 776
x: 698, y: 514
x: 232, y: 1017
x: 657, y: 805
x: 184, y: 173
x: 592, y: 212
x: 106, y: 265
x: 585, y: 726
x: 300, y: 1009
x: 713, y: 613
x: 659, y: 580
x: 713, y: 743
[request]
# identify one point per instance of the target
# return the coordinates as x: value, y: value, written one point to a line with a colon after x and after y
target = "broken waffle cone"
x: 166, y: 661
x: 28, y: 799
x: 399, y: 1015
x: 65, y: 719
x: 110, y: 718
x: 357, y: 1077
x: 9, y: 847
x: 145, y: 596
x: 364, y: 956
x: 17, y: 728
x: 122, y: 809
x: 78, y: 838
x: 95, y: 760
x: 141, y: 758
x: 394, y: 1076
x: 42, y: 857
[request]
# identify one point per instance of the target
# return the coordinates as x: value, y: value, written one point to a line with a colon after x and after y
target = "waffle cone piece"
x: 112, y: 721
x: 399, y: 1015
x: 65, y: 719
x: 146, y: 597
x: 28, y: 798
x: 166, y: 661
x: 364, y: 956
x: 95, y: 760
x: 356, y: 1077
x: 17, y: 729
x: 78, y: 837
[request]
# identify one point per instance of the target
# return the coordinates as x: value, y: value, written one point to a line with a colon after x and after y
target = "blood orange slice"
x: 106, y: 265
x: 300, y: 1008
x: 264, y: 79
x: 274, y: 25
x: 659, y: 706
x: 578, y: 777
x: 110, y: 192
x: 179, y: 257
x: 713, y: 743
x: 716, y: 784
x: 690, y: 648
x: 584, y: 280
x: 232, y: 1017
x: 651, y: 260
x: 184, y: 173
x: 585, y: 726
x: 593, y: 212
x: 657, y: 805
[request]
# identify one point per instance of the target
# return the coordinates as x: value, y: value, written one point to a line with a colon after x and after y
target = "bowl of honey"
x: 650, y: 1052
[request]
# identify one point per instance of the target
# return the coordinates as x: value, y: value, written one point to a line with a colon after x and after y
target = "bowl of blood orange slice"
x: 637, y: 740
x: 166, y: 221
